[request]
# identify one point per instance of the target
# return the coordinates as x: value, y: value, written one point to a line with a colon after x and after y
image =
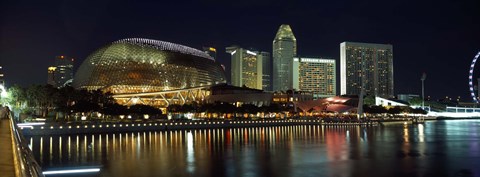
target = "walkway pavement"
x: 7, y: 167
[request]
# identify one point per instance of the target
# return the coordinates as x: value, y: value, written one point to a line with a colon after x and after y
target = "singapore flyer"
x: 470, y: 78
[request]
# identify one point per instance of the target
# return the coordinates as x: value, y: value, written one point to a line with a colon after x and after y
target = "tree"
x: 174, y: 108
x: 373, y: 109
x: 399, y: 109
x: 249, y: 109
x: 369, y: 100
x: 140, y: 109
x: 41, y: 98
x: 415, y: 101
x: 419, y: 111
x: 16, y: 97
x: 274, y: 107
x: 114, y: 109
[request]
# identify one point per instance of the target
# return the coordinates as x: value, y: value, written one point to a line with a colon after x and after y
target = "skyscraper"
x: 284, y: 49
x: 373, y: 61
x: 51, y: 76
x: 62, y: 72
x: 211, y: 52
x: 266, y: 70
x: 315, y: 75
x: 247, y: 67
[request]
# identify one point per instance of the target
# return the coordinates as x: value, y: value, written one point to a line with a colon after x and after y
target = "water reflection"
x: 405, y: 150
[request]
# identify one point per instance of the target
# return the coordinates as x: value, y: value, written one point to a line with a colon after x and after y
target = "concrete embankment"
x: 65, y: 129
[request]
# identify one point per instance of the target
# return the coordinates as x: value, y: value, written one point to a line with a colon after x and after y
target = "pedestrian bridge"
x: 16, y: 159
x: 7, y: 166
x: 457, y: 112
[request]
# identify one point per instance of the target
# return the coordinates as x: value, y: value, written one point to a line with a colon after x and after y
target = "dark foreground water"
x: 438, y: 148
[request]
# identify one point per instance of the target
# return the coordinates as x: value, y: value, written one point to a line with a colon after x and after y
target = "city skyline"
x: 430, y: 38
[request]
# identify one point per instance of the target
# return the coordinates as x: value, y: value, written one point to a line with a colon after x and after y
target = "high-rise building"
x: 2, y: 79
x: 372, y: 63
x: 266, y: 70
x: 62, y: 72
x: 315, y: 75
x: 247, y: 67
x: 211, y: 52
x: 51, y: 76
x: 284, y: 49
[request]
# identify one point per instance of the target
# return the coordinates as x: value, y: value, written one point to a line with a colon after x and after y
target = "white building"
x: 386, y: 102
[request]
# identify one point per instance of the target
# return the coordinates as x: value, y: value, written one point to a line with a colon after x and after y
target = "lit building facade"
x: 152, y: 72
x: 266, y: 70
x: 290, y: 96
x: 51, y: 75
x: 2, y: 76
x: 284, y: 49
x: 64, y: 71
x: 239, y: 95
x: 247, y: 67
x: 315, y: 75
x: 373, y: 61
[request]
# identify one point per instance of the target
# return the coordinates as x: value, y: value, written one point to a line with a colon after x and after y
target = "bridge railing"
x: 25, y: 163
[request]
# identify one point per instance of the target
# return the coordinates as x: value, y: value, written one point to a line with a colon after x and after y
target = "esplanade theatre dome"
x: 137, y: 65
x: 134, y: 67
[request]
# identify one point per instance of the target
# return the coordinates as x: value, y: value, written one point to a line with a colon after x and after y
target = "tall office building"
x: 266, y: 70
x: 315, y: 75
x: 62, y: 72
x: 2, y: 76
x: 284, y: 49
x: 373, y: 61
x: 211, y: 52
x: 247, y: 67
x: 51, y: 76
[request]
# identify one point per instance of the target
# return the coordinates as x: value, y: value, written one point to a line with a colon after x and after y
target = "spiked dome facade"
x: 150, y: 72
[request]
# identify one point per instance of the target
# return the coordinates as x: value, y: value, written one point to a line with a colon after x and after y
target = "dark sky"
x: 437, y: 37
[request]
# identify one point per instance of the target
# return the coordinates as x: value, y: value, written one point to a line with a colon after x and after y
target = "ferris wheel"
x: 470, y: 78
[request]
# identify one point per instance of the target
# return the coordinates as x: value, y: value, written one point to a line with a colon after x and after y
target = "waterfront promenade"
x: 7, y: 167
x: 79, y: 128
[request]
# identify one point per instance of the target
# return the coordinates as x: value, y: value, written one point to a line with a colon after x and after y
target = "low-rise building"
x: 238, y: 95
x: 282, y: 97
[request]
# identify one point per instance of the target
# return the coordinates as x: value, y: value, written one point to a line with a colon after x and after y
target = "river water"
x: 436, y: 148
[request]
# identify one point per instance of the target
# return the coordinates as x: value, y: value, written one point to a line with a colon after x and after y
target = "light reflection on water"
x: 441, y: 148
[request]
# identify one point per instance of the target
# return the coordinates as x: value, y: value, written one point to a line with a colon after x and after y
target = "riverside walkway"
x: 16, y: 158
x: 7, y: 167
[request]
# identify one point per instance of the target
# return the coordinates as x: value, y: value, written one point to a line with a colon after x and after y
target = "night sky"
x: 437, y: 37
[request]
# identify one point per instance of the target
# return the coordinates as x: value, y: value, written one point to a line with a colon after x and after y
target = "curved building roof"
x: 137, y: 65
x: 166, y: 46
